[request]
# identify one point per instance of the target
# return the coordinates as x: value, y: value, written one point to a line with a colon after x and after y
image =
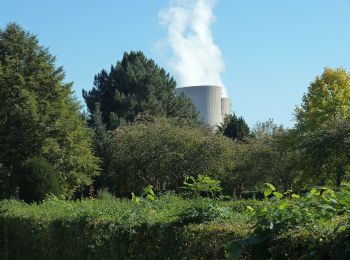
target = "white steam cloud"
x: 196, y: 59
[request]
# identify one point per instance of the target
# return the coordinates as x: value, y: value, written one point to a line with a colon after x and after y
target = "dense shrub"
x: 115, y: 229
x: 161, y: 153
x: 326, y: 153
x: 37, y: 179
x: 295, y: 227
x: 172, y: 227
x: 269, y: 156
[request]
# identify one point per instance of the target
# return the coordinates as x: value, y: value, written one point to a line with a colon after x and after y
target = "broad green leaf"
x: 269, y: 185
x: 295, y: 196
x: 267, y: 192
x: 284, y: 204
x: 251, y: 209
x: 277, y: 194
x: 314, y: 192
x: 329, y: 192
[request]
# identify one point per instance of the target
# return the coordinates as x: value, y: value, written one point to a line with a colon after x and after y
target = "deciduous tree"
x: 38, y: 114
x: 327, y: 100
x: 161, y: 153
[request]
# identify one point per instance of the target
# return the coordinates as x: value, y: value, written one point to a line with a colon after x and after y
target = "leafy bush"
x: 203, y: 213
x: 269, y: 156
x: 161, y: 153
x: 37, y: 179
x: 285, y: 216
x: 326, y: 153
x: 111, y: 228
x: 203, y: 184
x: 177, y: 228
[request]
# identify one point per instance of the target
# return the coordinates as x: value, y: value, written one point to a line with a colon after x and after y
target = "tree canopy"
x: 136, y: 84
x: 160, y: 152
x: 327, y: 99
x: 234, y: 127
x: 38, y: 114
x: 267, y: 156
x: 326, y: 153
x: 322, y: 127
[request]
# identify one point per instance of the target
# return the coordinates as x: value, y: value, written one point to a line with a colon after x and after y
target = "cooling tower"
x: 225, y: 106
x: 207, y: 100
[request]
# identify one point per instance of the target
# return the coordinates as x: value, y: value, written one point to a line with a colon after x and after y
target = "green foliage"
x: 286, y: 212
x: 326, y: 153
x: 148, y: 193
x: 37, y: 179
x: 161, y: 153
x: 271, y: 155
x: 203, y: 184
x: 234, y: 127
x: 327, y: 99
x: 38, y: 114
x: 322, y: 127
x: 104, y: 194
x: 134, y: 85
x: 204, y: 211
x: 314, y: 226
x: 156, y: 142
x: 253, y: 167
x: 100, y: 146
x: 265, y: 131
x: 100, y: 141
x: 109, y: 228
x: 7, y: 190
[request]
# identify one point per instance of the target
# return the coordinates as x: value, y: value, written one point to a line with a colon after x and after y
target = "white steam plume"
x: 196, y: 59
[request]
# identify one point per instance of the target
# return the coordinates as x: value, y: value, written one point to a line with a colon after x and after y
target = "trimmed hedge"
x: 119, y: 229
x: 116, y: 229
x: 307, y: 242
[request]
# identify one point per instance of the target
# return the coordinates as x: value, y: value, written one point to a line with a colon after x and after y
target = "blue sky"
x: 272, y: 49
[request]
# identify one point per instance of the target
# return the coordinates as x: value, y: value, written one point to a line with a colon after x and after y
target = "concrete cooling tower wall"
x: 208, y: 101
x: 225, y: 106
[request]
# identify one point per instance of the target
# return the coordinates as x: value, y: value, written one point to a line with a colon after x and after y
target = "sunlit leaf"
x: 277, y: 194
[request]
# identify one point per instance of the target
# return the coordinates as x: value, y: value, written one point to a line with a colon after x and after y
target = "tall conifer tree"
x: 135, y: 85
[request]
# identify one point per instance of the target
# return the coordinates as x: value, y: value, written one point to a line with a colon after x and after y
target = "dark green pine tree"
x: 38, y: 114
x: 100, y: 135
x: 100, y: 144
x: 135, y: 85
x: 234, y: 127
